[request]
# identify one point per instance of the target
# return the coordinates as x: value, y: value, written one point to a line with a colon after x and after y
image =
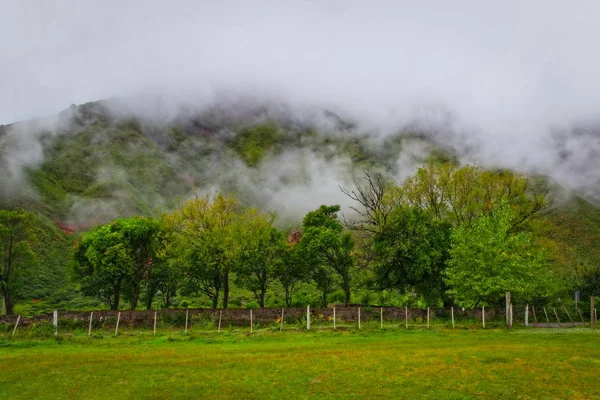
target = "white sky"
x: 509, y: 69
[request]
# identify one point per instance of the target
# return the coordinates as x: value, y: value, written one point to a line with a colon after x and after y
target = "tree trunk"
x: 261, y: 299
x: 347, y: 291
x: 9, y: 307
x: 225, y: 288
x: 117, y: 299
x: 324, y: 299
x: 288, y: 297
x: 8, y: 302
x: 150, y: 298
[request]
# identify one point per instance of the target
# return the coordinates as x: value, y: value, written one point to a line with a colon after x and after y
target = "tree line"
x: 448, y: 234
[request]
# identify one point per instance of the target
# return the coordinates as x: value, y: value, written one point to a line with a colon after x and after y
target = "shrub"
x: 252, y: 305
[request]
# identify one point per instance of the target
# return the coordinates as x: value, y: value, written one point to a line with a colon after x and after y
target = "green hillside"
x: 98, y: 167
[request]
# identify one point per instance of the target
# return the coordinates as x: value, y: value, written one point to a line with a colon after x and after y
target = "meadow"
x: 439, y: 363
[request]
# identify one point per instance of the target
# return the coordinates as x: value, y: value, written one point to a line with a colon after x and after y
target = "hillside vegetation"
x: 95, y: 166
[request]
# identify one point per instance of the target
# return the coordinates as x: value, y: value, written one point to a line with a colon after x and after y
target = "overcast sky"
x: 509, y: 72
x: 511, y: 62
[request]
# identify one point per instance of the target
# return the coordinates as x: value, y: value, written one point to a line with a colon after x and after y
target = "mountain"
x: 102, y: 160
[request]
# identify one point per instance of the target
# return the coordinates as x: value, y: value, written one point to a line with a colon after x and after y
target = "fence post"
x: 358, y: 317
x: 581, y: 316
x: 251, y: 321
x: 483, y: 315
x: 154, y: 328
x: 381, y: 312
x: 592, y: 319
x: 556, y: 315
x: 452, y: 313
x: 307, y: 318
x: 220, y: 316
x: 187, y: 311
x: 90, y: 327
x: 2, y: 307
x: 406, y: 316
x: 16, y: 325
x: 118, y: 319
x: 569, y: 315
x: 427, y: 317
x: 511, y: 315
x: 281, y: 325
x: 547, y: 319
x: 55, y: 322
x: 527, y: 315
x: 334, y: 318
x: 508, y: 320
x: 535, y: 323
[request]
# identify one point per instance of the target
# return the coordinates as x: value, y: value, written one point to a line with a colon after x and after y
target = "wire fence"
x: 230, y: 319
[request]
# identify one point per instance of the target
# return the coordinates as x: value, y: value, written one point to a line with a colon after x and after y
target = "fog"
x: 508, y: 80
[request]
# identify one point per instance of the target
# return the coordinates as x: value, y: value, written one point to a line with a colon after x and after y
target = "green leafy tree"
x: 261, y: 254
x: 116, y: 258
x: 411, y: 251
x: 328, y: 249
x: 16, y: 236
x: 292, y: 271
x: 459, y: 195
x: 164, y: 277
x: 487, y: 259
x: 206, y: 231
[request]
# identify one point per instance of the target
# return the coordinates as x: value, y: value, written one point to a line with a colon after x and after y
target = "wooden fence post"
x: 483, y: 315
x: 220, y: 317
x: 117, y: 327
x: 592, y: 319
x: 527, y: 315
x: 556, y: 315
x: 511, y: 315
x: 251, y: 321
x: 581, y: 316
x: 334, y: 318
x: 535, y: 323
x: 547, y: 319
x: 427, y: 317
x: 406, y: 316
x: 452, y: 313
x: 569, y: 315
x: 508, y: 321
x: 154, y: 327
x: 16, y: 325
x: 307, y: 318
x: 55, y: 322
x: 381, y: 315
x: 358, y: 317
x: 90, y: 327
x: 281, y: 325
x: 187, y: 312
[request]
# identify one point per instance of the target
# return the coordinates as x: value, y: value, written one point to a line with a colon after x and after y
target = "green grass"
x: 440, y: 364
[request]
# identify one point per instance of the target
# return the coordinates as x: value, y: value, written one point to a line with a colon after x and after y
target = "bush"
x: 337, y: 297
x: 252, y: 305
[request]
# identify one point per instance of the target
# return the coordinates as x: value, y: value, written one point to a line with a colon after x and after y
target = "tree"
x: 16, y: 236
x: 461, y: 194
x: 164, y: 276
x: 411, y: 251
x: 292, y: 271
x: 260, y: 255
x: 115, y: 258
x: 206, y: 230
x: 487, y: 259
x: 327, y: 248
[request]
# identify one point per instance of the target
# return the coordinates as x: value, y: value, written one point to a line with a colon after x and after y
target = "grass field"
x: 440, y: 364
